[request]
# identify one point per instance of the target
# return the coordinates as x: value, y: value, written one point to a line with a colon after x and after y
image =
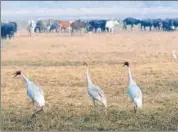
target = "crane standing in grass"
x: 133, y: 90
x: 94, y: 91
x: 34, y: 92
x: 174, y: 55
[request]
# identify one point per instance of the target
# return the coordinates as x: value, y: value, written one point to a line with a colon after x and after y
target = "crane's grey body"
x: 34, y: 92
x: 134, y: 92
x: 94, y: 91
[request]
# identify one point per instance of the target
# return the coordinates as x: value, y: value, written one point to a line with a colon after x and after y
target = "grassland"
x: 55, y: 63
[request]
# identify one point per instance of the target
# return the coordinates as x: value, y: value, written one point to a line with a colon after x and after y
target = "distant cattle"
x: 175, y: 23
x: 130, y: 21
x: 54, y: 27
x: 15, y: 26
x: 146, y: 23
x: 157, y: 24
x: 65, y: 25
x: 42, y: 26
x: 31, y: 27
x: 78, y: 25
x: 8, y: 30
x: 168, y: 25
x: 111, y: 24
x: 97, y: 25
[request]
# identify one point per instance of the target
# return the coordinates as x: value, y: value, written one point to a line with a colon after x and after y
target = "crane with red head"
x: 34, y: 92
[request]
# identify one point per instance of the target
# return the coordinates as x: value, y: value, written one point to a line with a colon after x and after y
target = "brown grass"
x: 55, y: 63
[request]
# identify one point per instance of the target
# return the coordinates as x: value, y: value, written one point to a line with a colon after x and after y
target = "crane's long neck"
x: 130, y: 76
x: 88, y: 77
x: 24, y: 78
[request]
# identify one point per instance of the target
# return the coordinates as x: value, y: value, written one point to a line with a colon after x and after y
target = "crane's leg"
x: 30, y: 103
x: 94, y: 103
x: 33, y: 102
x: 94, y: 108
x: 41, y: 109
x: 105, y: 110
x: 135, y: 108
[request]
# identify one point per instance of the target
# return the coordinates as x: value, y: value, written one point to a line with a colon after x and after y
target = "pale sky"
x: 23, y: 10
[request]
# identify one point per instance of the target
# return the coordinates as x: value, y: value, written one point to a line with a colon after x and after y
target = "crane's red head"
x: 126, y: 64
x: 17, y: 73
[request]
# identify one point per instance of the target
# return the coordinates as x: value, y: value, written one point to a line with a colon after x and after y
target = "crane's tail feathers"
x: 135, y: 108
x: 104, y: 101
x: 138, y: 103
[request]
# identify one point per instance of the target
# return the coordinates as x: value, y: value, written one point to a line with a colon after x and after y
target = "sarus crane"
x: 95, y: 91
x: 134, y: 91
x: 34, y: 92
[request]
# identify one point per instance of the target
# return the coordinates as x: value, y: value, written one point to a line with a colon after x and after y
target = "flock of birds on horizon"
x: 36, y: 94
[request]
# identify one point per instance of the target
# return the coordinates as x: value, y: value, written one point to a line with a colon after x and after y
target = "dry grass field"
x: 55, y: 63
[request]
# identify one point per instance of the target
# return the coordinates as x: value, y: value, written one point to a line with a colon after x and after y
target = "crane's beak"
x: 14, y: 75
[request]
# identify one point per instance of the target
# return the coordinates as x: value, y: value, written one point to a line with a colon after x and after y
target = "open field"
x: 55, y: 63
